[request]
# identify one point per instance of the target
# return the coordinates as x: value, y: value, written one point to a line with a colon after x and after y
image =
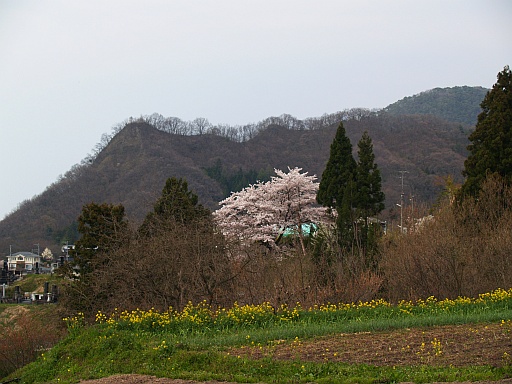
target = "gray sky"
x: 70, y: 70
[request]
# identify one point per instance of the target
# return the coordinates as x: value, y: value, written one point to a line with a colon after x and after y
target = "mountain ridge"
x: 132, y: 167
x: 440, y: 102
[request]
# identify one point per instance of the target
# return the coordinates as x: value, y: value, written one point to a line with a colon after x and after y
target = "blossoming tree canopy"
x: 263, y: 211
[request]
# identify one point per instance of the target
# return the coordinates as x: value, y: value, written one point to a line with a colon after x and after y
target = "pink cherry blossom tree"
x: 264, y: 211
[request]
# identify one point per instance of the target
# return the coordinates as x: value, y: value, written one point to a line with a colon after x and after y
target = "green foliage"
x: 339, y: 171
x: 203, y: 319
x: 67, y: 235
x: 236, y: 181
x: 491, y: 141
x: 212, y: 365
x: 353, y: 189
x: 179, y: 240
x: 105, y: 352
x: 177, y: 204
x: 103, y: 229
x: 369, y: 198
x: 176, y: 256
x: 337, y: 185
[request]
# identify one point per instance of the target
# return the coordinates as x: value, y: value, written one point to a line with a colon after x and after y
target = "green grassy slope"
x: 204, y: 344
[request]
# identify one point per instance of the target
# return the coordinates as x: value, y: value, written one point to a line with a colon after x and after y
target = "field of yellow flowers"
x: 465, y: 339
x: 201, y: 317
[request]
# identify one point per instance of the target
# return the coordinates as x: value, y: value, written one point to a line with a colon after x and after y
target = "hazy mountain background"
x: 457, y: 104
x: 425, y: 135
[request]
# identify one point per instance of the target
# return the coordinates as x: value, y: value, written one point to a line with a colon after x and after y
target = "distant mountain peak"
x: 460, y: 104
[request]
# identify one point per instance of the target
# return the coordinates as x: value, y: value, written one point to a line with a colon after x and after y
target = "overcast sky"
x: 70, y: 70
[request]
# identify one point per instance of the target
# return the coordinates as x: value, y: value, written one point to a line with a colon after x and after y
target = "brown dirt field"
x: 456, y: 345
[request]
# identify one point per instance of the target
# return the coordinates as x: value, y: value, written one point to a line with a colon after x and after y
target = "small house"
x: 21, y: 263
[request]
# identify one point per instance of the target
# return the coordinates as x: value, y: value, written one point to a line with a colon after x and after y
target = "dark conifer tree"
x: 369, y: 198
x: 339, y: 171
x: 180, y: 232
x: 177, y: 204
x: 336, y: 186
x: 368, y: 195
x: 103, y: 229
x: 490, y: 150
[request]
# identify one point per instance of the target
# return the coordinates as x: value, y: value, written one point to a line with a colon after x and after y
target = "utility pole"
x: 401, y: 205
x: 412, y: 213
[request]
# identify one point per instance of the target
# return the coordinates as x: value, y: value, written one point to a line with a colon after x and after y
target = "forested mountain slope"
x: 132, y: 169
x: 456, y: 104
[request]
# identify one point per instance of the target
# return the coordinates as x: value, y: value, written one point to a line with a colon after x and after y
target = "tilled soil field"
x: 456, y: 345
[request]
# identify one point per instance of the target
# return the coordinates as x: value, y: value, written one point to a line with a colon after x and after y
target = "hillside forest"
x: 415, y: 153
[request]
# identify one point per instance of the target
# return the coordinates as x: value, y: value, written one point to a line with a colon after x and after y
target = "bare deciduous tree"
x: 200, y: 126
x: 463, y: 251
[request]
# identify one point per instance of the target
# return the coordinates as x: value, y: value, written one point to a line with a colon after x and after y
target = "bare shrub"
x: 363, y: 286
x: 287, y: 275
x: 24, y: 337
x: 264, y: 275
x: 463, y: 251
x: 174, y: 266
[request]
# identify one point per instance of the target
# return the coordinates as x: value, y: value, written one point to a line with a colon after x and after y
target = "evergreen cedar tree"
x: 177, y: 204
x: 339, y: 171
x: 352, y: 189
x: 490, y: 150
x: 369, y: 196
x: 103, y: 228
